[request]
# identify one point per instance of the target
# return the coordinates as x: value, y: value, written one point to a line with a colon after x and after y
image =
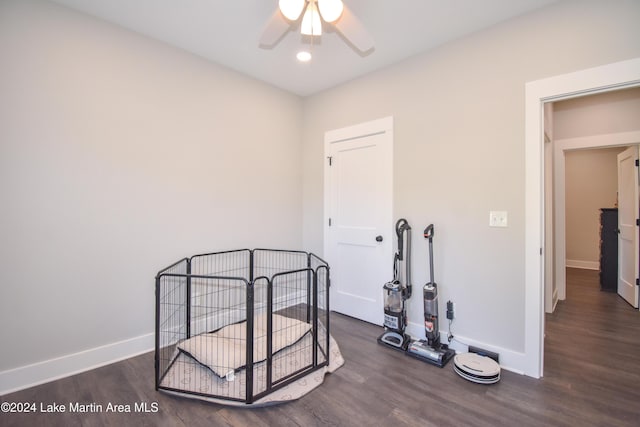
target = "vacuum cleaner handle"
x: 401, y: 225
x: 407, y: 263
x: 428, y: 232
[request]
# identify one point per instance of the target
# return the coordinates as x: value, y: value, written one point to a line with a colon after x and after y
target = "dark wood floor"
x: 592, y: 378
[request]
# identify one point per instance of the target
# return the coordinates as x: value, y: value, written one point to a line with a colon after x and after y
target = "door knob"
x: 378, y: 238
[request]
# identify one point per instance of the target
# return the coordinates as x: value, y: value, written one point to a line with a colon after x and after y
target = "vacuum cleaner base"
x: 436, y: 356
x: 394, y: 340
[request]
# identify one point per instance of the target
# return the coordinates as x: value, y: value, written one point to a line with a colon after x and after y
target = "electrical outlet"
x: 483, y: 352
x: 497, y: 218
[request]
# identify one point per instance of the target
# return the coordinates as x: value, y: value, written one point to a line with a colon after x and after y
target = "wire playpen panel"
x: 237, y: 325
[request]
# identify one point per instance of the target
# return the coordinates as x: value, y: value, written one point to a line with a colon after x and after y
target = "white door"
x: 358, y: 213
x: 628, y: 214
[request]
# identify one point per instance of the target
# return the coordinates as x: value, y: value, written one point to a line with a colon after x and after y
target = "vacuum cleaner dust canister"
x: 393, y: 306
x: 430, y: 298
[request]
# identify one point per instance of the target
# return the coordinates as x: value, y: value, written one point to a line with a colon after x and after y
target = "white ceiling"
x: 227, y: 32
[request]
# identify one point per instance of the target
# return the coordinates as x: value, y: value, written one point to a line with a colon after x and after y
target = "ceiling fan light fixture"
x: 291, y: 9
x: 311, y: 25
x: 331, y: 10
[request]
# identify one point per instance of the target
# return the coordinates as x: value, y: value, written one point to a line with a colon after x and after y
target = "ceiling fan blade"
x: 274, y: 31
x: 352, y: 29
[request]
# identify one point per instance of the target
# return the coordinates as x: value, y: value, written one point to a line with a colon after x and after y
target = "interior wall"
x: 120, y: 155
x: 605, y: 113
x: 591, y: 183
x: 459, y: 150
x: 576, y: 122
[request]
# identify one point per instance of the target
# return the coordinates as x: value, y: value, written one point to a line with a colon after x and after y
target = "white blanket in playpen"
x: 225, y: 350
x: 214, y: 363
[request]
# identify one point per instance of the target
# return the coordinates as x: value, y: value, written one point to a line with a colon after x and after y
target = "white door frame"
x: 560, y: 149
x: 619, y: 75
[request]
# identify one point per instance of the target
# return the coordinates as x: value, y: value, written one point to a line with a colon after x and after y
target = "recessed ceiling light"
x: 303, y: 56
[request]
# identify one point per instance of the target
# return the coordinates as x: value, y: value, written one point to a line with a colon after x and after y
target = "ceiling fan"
x: 310, y: 15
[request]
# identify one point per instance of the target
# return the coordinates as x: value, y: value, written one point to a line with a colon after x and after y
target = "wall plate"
x: 497, y: 218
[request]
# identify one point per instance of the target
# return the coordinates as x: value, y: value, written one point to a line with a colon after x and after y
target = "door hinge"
x: 329, y: 222
x: 637, y: 282
x: 637, y: 162
x: 638, y: 221
x: 330, y: 159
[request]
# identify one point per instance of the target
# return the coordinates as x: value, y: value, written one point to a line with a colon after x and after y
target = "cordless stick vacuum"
x: 396, y: 293
x: 430, y: 350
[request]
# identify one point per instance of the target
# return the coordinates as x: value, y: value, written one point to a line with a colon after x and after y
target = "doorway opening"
x: 582, y: 174
x: 620, y: 75
x: 575, y: 129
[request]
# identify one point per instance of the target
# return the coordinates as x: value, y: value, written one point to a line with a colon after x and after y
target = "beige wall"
x: 118, y: 156
x: 591, y: 181
x: 459, y: 149
x: 606, y: 113
x: 591, y: 175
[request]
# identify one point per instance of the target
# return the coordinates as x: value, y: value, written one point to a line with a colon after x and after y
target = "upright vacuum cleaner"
x: 430, y: 350
x: 396, y: 293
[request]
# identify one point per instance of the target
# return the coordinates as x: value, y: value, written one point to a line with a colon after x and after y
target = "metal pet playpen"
x: 235, y: 326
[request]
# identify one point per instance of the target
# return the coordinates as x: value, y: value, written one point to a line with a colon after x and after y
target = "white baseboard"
x: 586, y: 265
x: 509, y: 360
x: 49, y: 370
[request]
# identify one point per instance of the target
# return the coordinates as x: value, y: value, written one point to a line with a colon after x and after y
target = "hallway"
x: 592, y: 349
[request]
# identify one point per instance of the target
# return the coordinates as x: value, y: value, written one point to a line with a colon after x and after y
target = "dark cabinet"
x: 609, y: 249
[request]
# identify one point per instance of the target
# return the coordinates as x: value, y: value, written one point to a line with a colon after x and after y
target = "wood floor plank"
x: 592, y: 378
